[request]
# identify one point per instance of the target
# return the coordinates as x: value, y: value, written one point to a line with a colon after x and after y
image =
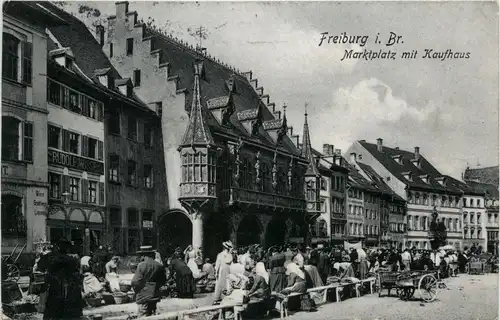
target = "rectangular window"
x: 132, y: 218
x: 137, y: 78
x: 92, y: 148
x: 92, y: 192
x: 148, y: 176
x: 54, y: 92
x: 111, y: 50
x: 26, y: 63
x: 74, y: 189
x: 132, y: 127
x: 114, y: 168
x: 54, y: 137
x: 130, y: 46
x: 323, y: 184
x: 92, y: 109
x: 28, y: 141
x: 74, y: 142
x: 10, y: 57
x: 74, y: 104
x: 114, y: 121
x: 54, y: 185
x: 159, y: 108
x: 131, y: 173
x: 148, y: 135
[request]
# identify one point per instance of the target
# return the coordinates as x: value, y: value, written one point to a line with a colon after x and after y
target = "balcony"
x: 262, y: 199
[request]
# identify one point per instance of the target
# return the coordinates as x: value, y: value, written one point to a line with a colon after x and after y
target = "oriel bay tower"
x: 234, y: 170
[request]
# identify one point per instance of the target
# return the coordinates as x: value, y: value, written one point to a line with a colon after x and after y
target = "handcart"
x: 11, y: 271
x: 406, y: 283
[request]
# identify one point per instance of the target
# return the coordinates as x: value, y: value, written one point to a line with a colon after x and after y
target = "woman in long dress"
x: 224, y: 260
x: 277, y: 279
x: 363, y: 263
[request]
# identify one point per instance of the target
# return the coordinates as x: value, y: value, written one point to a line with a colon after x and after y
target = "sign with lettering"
x: 40, y: 203
x: 75, y: 162
x: 147, y: 224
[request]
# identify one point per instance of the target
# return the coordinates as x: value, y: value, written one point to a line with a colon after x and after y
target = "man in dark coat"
x: 149, y: 277
x: 324, y: 265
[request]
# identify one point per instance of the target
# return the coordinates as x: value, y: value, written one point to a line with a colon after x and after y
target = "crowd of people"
x: 239, y: 273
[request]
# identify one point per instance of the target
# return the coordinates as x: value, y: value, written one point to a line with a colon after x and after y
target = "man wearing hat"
x: 149, y: 277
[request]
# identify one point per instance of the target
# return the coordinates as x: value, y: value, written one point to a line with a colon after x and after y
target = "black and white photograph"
x: 209, y: 160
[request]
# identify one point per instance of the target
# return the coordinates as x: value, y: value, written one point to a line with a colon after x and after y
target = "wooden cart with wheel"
x: 426, y: 282
x: 11, y: 271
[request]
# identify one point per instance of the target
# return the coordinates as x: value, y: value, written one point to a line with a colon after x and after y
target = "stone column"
x: 197, y: 221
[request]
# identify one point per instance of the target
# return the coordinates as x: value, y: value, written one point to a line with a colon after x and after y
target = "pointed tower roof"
x: 307, y: 151
x: 197, y: 132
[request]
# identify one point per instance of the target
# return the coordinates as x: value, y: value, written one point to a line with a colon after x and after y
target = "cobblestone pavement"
x: 465, y: 298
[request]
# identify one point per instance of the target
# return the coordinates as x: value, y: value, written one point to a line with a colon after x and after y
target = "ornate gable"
x: 251, y: 119
x: 222, y: 107
x: 277, y: 128
x: 197, y: 132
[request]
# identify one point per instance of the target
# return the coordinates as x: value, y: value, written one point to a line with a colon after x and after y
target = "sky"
x: 448, y: 108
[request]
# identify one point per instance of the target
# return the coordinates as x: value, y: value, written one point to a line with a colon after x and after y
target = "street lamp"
x: 66, y: 195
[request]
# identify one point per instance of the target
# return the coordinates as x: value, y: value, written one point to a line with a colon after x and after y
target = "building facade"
x: 474, y: 220
x: 356, y: 186
x: 233, y: 170
x: 117, y: 187
x: 485, y: 181
x: 424, y: 188
x: 24, y: 124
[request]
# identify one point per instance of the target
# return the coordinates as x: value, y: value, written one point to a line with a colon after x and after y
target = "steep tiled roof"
x: 487, y: 175
x: 357, y: 180
x: 464, y: 187
x: 87, y: 52
x: 378, y: 181
x: 388, y: 158
x: 490, y: 191
x: 214, y: 85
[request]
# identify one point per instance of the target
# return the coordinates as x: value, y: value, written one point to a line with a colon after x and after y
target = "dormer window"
x: 441, y: 180
x: 417, y: 163
x: 125, y: 87
x: 398, y: 158
x: 103, y: 80
x: 425, y: 178
x: 408, y: 176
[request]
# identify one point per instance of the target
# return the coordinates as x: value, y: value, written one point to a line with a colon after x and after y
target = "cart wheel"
x: 405, y: 294
x: 13, y: 272
x: 428, y: 288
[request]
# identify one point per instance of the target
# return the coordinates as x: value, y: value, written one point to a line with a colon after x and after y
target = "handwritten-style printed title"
x: 390, y: 40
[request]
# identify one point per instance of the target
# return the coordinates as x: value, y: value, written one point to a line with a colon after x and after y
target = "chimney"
x: 397, y: 148
x: 99, y: 32
x: 121, y: 9
x: 326, y: 149
x: 417, y: 153
x: 353, y: 157
x: 379, y: 144
x: 331, y: 150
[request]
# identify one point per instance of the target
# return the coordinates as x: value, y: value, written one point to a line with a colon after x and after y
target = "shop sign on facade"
x: 40, y: 203
x: 75, y: 162
x: 147, y: 224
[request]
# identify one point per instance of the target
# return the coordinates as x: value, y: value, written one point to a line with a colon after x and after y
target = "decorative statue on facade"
x: 257, y: 167
x: 438, y: 233
x: 275, y: 170
x: 290, y: 166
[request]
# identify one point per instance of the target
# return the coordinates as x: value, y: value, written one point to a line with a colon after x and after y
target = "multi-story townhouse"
x: 485, y: 180
x: 24, y: 124
x: 392, y: 214
x: 117, y: 185
x: 233, y: 171
x: 424, y: 188
x: 474, y: 219
x: 357, y: 187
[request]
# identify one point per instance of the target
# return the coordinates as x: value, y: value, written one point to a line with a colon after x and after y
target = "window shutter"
x: 100, y: 151
x: 28, y: 141
x: 101, y: 193
x: 85, y: 190
x: 85, y: 146
x: 100, y: 111
x: 26, y: 62
x: 65, y: 184
x: 65, y: 140
x: 84, y: 104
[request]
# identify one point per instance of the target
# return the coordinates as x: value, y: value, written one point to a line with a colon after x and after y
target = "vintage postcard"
x: 250, y: 160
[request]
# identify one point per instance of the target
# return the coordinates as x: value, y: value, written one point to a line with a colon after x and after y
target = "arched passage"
x: 276, y: 231
x: 215, y: 231
x: 175, y: 230
x: 249, y: 231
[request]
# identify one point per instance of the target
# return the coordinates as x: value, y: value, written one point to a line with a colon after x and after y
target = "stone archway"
x: 175, y: 230
x: 276, y: 232
x: 216, y: 229
x: 248, y: 231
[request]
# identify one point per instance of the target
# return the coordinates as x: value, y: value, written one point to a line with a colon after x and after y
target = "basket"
x: 125, y: 287
x: 120, y: 298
